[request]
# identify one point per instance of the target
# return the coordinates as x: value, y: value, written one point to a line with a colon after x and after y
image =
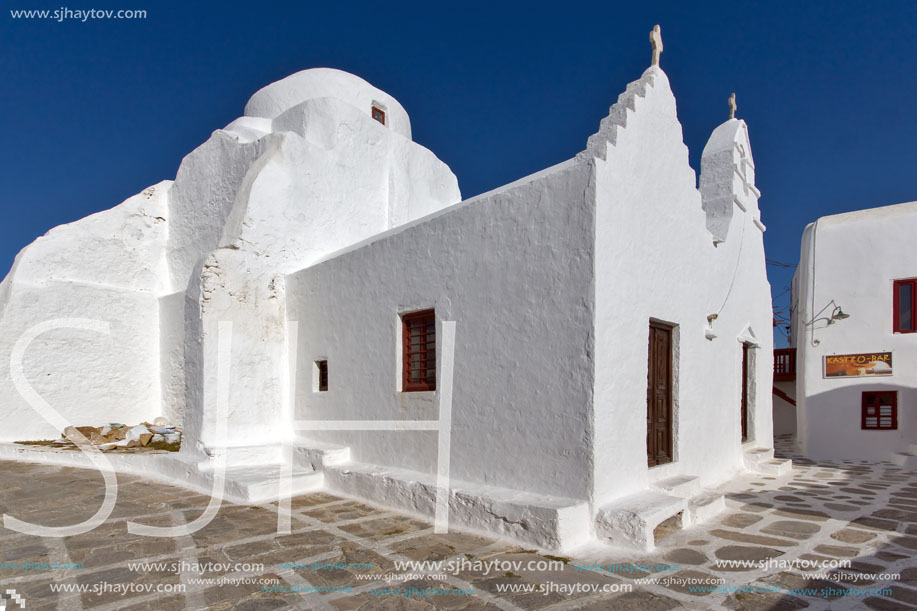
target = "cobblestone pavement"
x: 865, y: 513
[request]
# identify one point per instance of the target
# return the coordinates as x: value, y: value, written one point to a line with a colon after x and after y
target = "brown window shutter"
x: 418, y: 334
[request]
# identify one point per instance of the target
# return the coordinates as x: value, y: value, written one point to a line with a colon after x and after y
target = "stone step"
x: 631, y: 520
x: 304, y: 453
x: 757, y: 456
x: 777, y: 467
x: 542, y: 521
x: 242, y: 456
x: 905, y: 460
x: 260, y: 484
x: 685, y: 486
x: 318, y: 454
x: 705, y: 507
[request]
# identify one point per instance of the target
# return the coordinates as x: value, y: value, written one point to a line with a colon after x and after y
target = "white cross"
x: 656, y: 40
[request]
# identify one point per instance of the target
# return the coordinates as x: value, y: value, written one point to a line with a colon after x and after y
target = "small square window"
x: 418, y: 335
x: 905, y: 314
x: 321, y: 375
x: 379, y: 115
x: 880, y: 411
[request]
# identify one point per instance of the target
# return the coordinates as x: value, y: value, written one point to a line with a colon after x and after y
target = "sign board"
x: 857, y: 365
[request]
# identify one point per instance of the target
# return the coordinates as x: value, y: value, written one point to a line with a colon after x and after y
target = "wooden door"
x: 659, y: 396
x: 744, y: 416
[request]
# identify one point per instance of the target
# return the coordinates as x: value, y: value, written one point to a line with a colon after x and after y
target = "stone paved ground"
x: 862, y: 512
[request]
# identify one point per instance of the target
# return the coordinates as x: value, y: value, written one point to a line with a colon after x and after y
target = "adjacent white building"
x: 855, y: 334
x: 577, y: 355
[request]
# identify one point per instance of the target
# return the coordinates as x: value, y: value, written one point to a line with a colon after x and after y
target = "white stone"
x: 115, y: 444
x: 134, y: 433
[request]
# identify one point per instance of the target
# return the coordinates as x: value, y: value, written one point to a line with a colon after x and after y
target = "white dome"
x: 726, y: 136
x: 271, y: 101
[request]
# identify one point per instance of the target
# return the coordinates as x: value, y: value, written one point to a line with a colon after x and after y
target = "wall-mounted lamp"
x: 836, y: 314
x: 708, y: 332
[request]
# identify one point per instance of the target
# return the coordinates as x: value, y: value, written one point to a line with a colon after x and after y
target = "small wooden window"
x: 379, y: 115
x: 880, y: 410
x: 321, y: 369
x: 418, y: 333
x: 905, y: 315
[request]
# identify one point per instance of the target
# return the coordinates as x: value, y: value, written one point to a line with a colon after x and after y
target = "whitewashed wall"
x: 108, y: 268
x: 657, y: 260
x: 853, y: 259
x: 514, y: 270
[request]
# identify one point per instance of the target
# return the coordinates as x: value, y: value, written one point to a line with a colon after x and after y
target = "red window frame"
x: 378, y: 114
x: 418, y: 336
x: 322, y: 375
x: 872, y: 417
x: 911, y: 283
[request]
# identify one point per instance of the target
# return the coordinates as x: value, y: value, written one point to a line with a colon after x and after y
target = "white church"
x: 573, y: 357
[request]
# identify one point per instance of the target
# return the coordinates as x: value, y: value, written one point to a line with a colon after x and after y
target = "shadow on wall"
x: 784, y: 412
x: 830, y: 423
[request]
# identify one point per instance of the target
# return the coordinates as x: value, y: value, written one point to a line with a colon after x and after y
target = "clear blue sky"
x: 95, y: 112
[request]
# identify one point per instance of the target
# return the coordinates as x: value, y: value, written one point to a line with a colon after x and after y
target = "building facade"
x: 578, y: 355
x: 853, y: 330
